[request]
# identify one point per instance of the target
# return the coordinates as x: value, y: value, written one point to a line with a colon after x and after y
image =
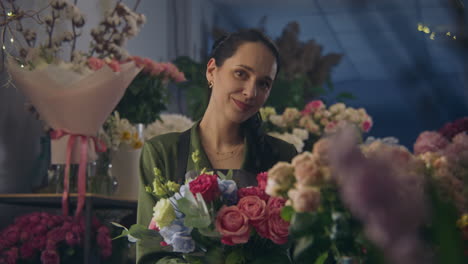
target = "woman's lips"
x: 242, y: 106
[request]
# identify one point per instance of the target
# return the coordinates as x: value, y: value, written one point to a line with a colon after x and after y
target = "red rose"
x: 39, y: 242
x: 233, y: 225
x: 276, y: 202
x: 253, y: 207
x: 252, y: 191
x: 50, y: 257
x: 11, y: 255
x: 27, y: 251
x: 11, y: 235
x: 72, y: 238
x: 262, y: 179
x: 207, y: 186
x: 277, y: 227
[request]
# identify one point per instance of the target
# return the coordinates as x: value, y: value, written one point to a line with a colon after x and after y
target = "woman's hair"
x: 224, y: 48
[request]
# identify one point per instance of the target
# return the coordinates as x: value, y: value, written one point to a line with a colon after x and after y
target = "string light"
x: 3, y: 47
x: 22, y: 66
x: 12, y: 40
x: 427, y: 30
x: 10, y: 14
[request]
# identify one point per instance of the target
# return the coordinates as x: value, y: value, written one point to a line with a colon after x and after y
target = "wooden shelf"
x: 54, y: 200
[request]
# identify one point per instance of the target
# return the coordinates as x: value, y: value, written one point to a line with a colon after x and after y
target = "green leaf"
x: 303, y: 245
x: 235, y: 257
x: 322, y: 258
x: 287, y: 213
x: 303, y: 224
x: 123, y: 234
x: 142, y: 232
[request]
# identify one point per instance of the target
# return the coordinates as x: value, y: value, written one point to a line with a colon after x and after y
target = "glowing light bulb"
x: 3, y: 47
x: 426, y: 30
x: 432, y: 37
x: 10, y: 14
x: 454, y: 37
x: 448, y: 34
x: 12, y: 40
x: 22, y: 66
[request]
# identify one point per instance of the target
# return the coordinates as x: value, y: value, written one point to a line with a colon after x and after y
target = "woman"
x: 240, y: 75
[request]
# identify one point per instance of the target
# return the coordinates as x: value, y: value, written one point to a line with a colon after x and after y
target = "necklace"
x: 226, y: 154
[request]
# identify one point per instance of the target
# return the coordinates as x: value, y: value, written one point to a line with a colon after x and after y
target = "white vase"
x: 125, y: 169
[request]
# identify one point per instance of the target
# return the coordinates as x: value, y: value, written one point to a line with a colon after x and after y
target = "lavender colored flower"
x: 177, y: 227
x: 183, y: 243
x: 228, y: 190
x: 383, y: 196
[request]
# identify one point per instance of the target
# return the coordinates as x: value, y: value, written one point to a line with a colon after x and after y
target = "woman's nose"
x: 250, y: 90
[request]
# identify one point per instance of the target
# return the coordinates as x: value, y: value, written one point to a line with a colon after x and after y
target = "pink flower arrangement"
x: 166, y: 70
x: 41, y: 237
x: 254, y: 210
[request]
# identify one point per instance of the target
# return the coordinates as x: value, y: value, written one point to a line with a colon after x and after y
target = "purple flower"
x: 178, y: 235
x: 228, y: 190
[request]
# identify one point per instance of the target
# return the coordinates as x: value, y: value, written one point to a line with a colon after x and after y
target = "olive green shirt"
x: 161, y: 152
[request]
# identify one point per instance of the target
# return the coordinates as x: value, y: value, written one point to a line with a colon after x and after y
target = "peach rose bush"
x: 209, y: 219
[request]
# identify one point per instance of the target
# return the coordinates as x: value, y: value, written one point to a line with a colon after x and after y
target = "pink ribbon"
x: 99, y: 146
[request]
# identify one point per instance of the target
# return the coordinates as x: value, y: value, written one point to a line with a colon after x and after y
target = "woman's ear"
x: 210, y: 67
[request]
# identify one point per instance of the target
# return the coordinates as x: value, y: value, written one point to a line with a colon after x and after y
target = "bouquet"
x: 41, y: 237
x: 209, y: 218
x: 303, y: 127
x: 73, y: 97
x: 120, y: 133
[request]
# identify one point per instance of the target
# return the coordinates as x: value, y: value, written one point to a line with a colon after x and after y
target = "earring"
x: 210, y: 84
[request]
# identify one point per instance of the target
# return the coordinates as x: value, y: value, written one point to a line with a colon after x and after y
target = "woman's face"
x: 243, y: 83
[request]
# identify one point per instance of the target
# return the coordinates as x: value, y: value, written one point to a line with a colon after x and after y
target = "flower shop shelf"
x: 54, y: 200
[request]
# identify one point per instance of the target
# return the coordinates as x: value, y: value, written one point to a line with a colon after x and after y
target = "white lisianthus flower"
x: 301, y: 133
x: 168, y: 123
x: 277, y: 120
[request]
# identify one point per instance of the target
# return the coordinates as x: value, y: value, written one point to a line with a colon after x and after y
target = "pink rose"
x: 114, y: 65
x: 321, y: 150
x: 276, y: 202
x: 277, y: 227
x: 179, y: 77
x: 50, y: 257
x: 313, y: 106
x: 57, y: 234
x: 207, y: 186
x: 95, y: 63
x: 253, y: 207
x: 252, y: 191
x: 305, y: 199
x: 306, y: 169
x: 153, y: 225
x: 139, y: 62
x: 429, y: 141
x: 233, y: 225
x: 27, y: 251
x: 262, y: 228
x: 262, y: 179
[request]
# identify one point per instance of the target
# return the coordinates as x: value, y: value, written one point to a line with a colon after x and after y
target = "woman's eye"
x: 240, y: 74
x: 264, y: 85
